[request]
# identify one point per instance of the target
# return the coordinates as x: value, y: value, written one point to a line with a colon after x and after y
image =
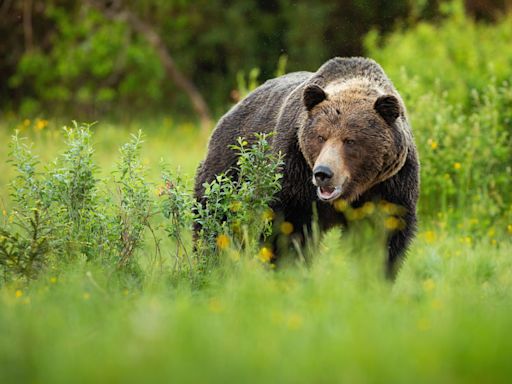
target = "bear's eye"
x: 321, y: 139
x: 349, y: 142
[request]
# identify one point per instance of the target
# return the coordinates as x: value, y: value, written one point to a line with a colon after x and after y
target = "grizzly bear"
x: 344, y: 134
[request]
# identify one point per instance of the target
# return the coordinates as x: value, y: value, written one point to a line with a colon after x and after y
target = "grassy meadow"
x: 446, y: 319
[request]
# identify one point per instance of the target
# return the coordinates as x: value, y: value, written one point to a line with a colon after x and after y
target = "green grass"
x: 447, y: 318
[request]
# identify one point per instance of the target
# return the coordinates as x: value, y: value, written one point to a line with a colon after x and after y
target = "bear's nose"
x: 322, y: 174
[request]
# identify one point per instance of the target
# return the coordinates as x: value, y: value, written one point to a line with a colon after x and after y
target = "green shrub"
x: 236, y: 203
x: 65, y: 212
x: 455, y: 80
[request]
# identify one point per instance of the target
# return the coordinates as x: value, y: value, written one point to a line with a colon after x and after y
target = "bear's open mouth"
x: 328, y: 193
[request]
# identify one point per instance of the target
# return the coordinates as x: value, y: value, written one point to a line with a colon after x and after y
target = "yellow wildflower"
x: 368, y: 208
x: 286, y: 228
x: 235, y: 206
x: 41, y: 124
x: 4, y: 212
x: 392, y: 223
x: 86, y: 295
x: 457, y: 166
x: 430, y: 237
x: 429, y: 285
x: 222, y: 241
x: 18, y: 293
x: 392, y: 209
x: 53, y: 279
x: 433, y: 144
x: 268, y: 215
x: 340, y: 205
x: 265, y: 254
x: 509, y: 228
x: 354, y: 214
x: 26, y: 123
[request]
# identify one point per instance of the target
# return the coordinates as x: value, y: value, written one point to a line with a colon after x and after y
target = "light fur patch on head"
x: 357, y: 83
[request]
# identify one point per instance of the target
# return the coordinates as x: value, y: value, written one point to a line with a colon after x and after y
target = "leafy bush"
x: 457, y: 88
x: 61, y: 213
x: 236, y: 203
x: 65, y: 211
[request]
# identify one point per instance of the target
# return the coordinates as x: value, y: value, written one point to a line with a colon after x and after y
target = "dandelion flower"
x: 286, y: 228
x: 53, y: 280
x: 392, y: 223
x: 354, y: 214
x: 222, y: 241
x: 41, y: 124
x: 368, y: 208
x: 430, y: 237
x: 18, y: 293
x: 265, y: 254
x: 457, y: 166
x: 341, y: 205
x: 433, y: 144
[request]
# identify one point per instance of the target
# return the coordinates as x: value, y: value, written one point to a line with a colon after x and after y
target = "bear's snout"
x: 330, y: 172
x: 322, y: 175
x: 329, y: 188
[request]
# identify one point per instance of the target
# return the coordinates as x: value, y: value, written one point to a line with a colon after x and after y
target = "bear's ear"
x: 388, y: 107
x: 313, y: 95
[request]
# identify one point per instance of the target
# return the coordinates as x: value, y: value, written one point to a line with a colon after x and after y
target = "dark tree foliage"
x: 68, y: 57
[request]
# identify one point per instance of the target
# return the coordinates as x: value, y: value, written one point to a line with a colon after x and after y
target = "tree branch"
x: 155, y: 41
x: 27, y: 24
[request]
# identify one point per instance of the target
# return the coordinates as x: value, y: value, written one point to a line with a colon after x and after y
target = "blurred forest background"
x: 122, y: 59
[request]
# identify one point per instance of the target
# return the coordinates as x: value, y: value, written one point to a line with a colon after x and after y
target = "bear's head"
x: 353, y: 138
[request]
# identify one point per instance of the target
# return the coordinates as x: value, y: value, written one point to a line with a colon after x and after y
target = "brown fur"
x: 347, y: 134
x: 346, y: 117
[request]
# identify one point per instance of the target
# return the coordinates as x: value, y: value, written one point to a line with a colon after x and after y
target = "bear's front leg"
x: 398, y: 242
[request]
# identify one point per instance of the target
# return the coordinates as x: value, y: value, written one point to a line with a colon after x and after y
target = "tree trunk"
x: 154, y: 39
x: 27, y: 24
